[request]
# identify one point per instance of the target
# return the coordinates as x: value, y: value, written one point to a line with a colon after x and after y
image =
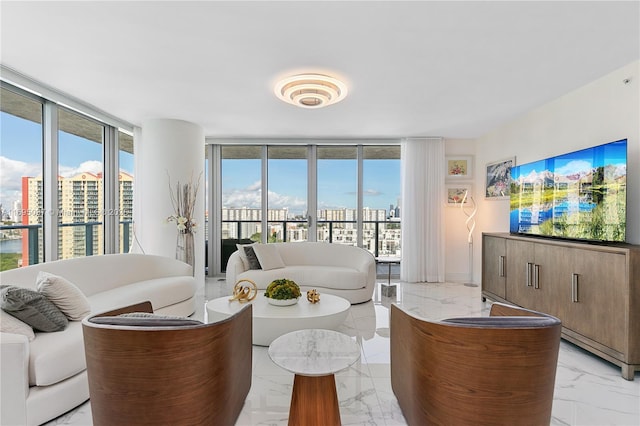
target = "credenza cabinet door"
x: 521, y: 259
x: 598, y: 297
x: 494, y: 268
x: 551, y: 271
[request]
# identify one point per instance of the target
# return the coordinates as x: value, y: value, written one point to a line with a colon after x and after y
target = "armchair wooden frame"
x: 177, y: 375
x: 475, y: 371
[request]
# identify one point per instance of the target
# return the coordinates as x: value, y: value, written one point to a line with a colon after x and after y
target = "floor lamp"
x: 471, y: 225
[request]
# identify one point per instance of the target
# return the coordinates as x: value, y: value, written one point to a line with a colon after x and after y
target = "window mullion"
x: 312, y: 191
x: 360, y: 201
x: 50, y: 181
x: 214, y: 154
x: 264, y: 194
x: 110, y: 190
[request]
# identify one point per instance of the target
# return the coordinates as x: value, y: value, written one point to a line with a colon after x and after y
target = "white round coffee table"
x: 270, y: 322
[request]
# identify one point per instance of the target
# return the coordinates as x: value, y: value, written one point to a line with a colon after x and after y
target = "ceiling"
x: 422, y: 68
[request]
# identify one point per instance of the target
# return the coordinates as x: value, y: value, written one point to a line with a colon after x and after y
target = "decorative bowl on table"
x: 282, y: 292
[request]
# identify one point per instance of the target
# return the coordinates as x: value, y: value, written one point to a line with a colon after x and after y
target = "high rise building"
x: 16, y: 210
x: 381, y: 233
x: 80, y: 213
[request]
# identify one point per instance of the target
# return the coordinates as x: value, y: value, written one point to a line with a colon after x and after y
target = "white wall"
x: 603, y: 111
x: 457, y: 268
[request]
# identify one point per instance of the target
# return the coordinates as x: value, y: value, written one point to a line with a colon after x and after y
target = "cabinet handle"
x: 528, y: 273
x: 574, y: 288
x: 536, y: 276
x: 501, y: 266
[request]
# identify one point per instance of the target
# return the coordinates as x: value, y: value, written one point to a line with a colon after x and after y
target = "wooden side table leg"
x: 314, y: 401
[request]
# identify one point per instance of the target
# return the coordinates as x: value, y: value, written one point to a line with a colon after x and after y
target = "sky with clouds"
x: 21, y: 155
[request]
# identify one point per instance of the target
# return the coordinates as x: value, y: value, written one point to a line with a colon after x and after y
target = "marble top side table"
x: 314, y: 356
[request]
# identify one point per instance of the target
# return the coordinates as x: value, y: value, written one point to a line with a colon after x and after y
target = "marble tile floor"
x: 589, y: 391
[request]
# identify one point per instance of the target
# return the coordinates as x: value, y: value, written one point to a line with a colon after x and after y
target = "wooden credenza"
x: 594, y: 289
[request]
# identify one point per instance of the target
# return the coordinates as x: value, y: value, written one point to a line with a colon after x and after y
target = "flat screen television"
x: 580, y: 195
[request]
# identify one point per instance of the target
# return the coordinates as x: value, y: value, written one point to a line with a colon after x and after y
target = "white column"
x: 167, y: 148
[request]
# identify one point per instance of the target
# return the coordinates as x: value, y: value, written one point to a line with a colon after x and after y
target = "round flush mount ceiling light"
x: 311, y: 90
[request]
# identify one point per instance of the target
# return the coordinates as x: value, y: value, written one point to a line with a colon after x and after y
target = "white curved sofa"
x: 46, y: 377
x: 345, y: 271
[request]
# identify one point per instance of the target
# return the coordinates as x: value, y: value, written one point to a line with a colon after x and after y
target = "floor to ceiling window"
x: 381, y: 200
x: 287, y: 194
x: 125, y: 191
x: 21, y: 196
x: 346, y: 194
x: 337, y: 192
x: 80, y: 186
x: 60, y: 181
x: 241, y: 192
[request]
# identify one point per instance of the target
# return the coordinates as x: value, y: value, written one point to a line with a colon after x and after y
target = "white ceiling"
x: 421, y: 68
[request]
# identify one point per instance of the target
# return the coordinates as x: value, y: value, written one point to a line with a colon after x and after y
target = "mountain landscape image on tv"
x: 580, y: 195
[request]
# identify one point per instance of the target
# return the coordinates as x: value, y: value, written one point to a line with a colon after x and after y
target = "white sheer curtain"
x: 423, y: 171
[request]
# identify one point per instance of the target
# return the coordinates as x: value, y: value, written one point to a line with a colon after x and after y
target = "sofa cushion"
x: 11, y: 324
x: 334, y: 277
x: 64, y: 294
x: 252, y: 258
x: 161, y: 292
x: 268, y: 256
x: 32, y: 308
x: 54, y: 357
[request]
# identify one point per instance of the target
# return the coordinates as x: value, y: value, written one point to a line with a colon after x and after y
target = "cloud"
x: 255, y: 186
x: 11, y: 173
x: 251, y: 197
x: 91, y: 166
x: 295, y: 204
x: 367, y: 193
x: 243, y: 198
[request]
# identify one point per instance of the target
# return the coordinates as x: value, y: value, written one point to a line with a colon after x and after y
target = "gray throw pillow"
x: 32, y: 308
x: 145, y: 319
x: 254, y: 263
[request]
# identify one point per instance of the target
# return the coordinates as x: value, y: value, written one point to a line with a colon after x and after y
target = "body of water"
x: 11, y: 246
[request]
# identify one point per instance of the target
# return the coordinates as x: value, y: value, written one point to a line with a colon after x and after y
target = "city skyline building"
x: 381, y: 229
x: 81, y: 225
x: 80, y: 214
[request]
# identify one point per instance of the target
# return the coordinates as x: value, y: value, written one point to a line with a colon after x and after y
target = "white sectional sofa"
x: 43, y: 378
x: 345, y: 271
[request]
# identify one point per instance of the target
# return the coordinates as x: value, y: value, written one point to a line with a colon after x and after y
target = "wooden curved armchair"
x: 497, y: 370
x: 168, y: 375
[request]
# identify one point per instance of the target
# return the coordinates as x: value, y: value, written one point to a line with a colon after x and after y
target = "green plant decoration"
x: 282, y: 289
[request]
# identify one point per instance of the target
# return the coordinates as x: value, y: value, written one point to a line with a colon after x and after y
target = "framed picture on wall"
x: 498, y: 179
x: 459, y: 167
x: 454, y: 194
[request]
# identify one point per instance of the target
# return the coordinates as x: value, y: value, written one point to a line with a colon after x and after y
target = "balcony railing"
x: 33, y: 236
x: 233, y: 229
x: 237, y: 229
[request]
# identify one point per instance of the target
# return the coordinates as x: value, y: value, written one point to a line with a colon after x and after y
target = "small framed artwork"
x: 459, y: 167
x: 454, y: 194
x: 498, y: 179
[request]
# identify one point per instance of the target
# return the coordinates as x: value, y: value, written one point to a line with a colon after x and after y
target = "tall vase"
x: 185, y: 248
